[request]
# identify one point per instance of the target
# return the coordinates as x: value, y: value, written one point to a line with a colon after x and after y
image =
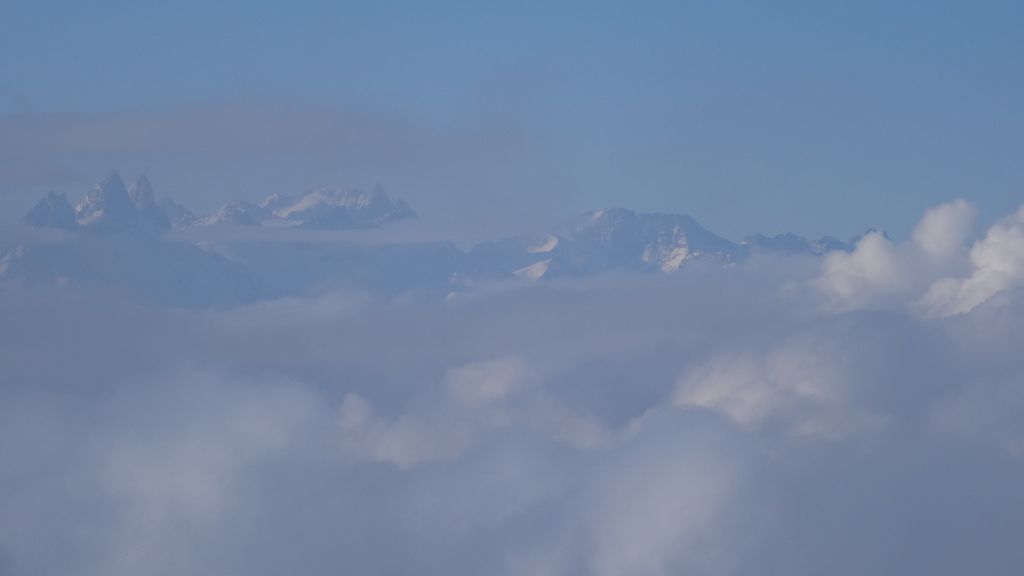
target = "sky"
x: 793, y: 116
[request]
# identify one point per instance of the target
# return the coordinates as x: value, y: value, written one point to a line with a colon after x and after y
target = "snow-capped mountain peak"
x: 618, y: 237
x: 107, y: 206
x: 606, y: 240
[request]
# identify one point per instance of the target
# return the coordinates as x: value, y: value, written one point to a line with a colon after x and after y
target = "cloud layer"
x: 859, y: 414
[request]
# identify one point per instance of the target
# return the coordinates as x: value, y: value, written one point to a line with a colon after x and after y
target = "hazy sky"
x: 813, y: 117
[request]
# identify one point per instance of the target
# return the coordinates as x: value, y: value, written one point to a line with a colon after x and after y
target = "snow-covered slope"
x: 606, y: 240
x: 337, y: 209
x: 321, y: 209
x: 236, y: 213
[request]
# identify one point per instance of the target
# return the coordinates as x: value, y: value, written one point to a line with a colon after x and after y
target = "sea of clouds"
x: 857, y: 414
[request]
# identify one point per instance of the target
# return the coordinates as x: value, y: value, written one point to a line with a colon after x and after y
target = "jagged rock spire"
x: 108, y: 205
x: 53, y: 211
x: 141, y: 195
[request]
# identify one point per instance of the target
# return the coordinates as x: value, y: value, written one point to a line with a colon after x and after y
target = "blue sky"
x: 813, y: 117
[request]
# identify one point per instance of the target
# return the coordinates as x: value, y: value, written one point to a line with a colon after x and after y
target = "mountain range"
x: 117, y: 238
x: 112, y: 206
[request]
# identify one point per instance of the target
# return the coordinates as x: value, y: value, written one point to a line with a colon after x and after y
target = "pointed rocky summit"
x: 141, y: 195
x: 108, y: 206
x: 54, y: 211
